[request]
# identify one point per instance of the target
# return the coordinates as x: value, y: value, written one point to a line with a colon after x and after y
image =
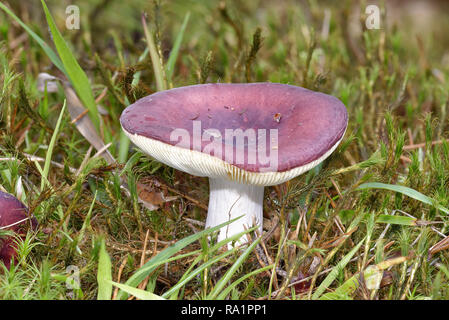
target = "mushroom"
x: 242, y: 136
x: 14, y: 216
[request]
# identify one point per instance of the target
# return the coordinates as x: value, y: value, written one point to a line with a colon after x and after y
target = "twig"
x: 422, y: 145
x: 120, y: 270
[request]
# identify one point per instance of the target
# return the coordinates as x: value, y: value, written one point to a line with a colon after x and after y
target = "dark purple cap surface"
x: 11, y: 212
x: 309, y: 123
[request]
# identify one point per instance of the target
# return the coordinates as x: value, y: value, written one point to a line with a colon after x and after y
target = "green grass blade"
x: 334, y: 273
x: 399, y: 220
x: 351, y: 285
x: 138, y: 293
x: 41, y: 171
x: 346, y: 289
x: 76, y: 75
x: 159, y: 72
x: 49, y: 51
x: 226, y: 291
x: 404, y: 190
x: 444, y: 269
x: 123, y: 147
x: 104, y: 274
x: 136, y: 77
x: 198, y: 259
x: 86, y: 224
x: 235, y: 237
x: 197, y: 271
x: 124, y: 141
x: 174, y: 292
x: 224, y: 280
x: 151, y: 265
x: 170, y: 66
x: 51, y: 147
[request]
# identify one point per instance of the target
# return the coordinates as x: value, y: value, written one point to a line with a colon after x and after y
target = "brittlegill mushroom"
x: 242, y: 136
x: 14, y: 217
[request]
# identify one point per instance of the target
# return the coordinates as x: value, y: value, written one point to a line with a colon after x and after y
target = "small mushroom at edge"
x: 14, y: 216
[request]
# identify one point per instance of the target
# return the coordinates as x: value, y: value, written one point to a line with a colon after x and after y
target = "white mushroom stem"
x: 229, y: 200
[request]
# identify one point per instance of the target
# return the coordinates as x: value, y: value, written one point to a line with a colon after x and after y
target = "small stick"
x: 102, y: 95
x: 81, y: 115
x: 142, y: 260
x: 99, y: 152
x: 119, y: 276
x: 421, y: 145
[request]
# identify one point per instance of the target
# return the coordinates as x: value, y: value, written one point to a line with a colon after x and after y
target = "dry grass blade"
x: 439, y: 246
x: 84, y: 124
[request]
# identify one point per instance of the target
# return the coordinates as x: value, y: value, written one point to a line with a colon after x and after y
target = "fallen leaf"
x: 78, y: 113
x: 150, y: 197
x: 83, y: 123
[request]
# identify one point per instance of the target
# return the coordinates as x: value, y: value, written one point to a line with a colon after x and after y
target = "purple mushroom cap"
x: 309, y: 123
x: 14, y: 216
